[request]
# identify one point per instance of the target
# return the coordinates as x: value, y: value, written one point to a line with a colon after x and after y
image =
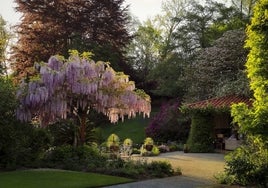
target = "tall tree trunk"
x: 82, y: 129
x: 75, y: 143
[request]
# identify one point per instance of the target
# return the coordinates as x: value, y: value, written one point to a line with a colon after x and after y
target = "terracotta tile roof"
x: 221, y: 102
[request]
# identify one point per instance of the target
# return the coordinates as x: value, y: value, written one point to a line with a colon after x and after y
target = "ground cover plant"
x: 47, y: 178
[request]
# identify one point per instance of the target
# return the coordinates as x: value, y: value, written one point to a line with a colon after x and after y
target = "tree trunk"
x: 82, y: 129
x: 75, y: 143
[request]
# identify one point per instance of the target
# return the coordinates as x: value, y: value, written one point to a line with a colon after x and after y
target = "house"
x: 217, y: 113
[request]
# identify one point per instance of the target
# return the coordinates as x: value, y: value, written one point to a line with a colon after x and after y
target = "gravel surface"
x: 198, y: 170
x: 198, y: 165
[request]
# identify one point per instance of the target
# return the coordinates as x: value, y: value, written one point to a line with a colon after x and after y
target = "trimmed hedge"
x: 201, y: 134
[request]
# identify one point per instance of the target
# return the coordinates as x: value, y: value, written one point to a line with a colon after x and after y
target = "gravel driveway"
x: 198, y: 170
x: 198, y: 165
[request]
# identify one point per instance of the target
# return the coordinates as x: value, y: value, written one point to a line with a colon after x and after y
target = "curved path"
x: 197, y: 165
x: 198, y: 170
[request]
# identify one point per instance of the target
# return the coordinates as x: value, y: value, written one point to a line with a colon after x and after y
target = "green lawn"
x: 56, y: 179
x: 130, y: 128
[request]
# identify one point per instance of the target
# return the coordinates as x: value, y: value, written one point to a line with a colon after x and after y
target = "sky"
x: 142, y: 9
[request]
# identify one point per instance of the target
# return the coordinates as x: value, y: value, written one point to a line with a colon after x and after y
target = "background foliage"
x: 54, y: 28
x: 249, y: 164
x: 20, y: 144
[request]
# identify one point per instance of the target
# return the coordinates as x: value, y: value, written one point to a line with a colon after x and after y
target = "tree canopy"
x: 4, y: 39
x: 248, y: 164
x: 164, y: 48
x: 219, y: 70
x: 75, y: 86
x: 254, y: 121
x: 54, y: 27
x: 245, y: 6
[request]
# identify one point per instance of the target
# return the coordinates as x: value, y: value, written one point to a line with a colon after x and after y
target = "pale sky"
x: 143, y: 9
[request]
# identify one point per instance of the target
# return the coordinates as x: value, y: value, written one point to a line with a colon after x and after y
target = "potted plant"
x: 127, y: 147
x: 113, y: 143
x: 149, y: 143
x: 128, y: 142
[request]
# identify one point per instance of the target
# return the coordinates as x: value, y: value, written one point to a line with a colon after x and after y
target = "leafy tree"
x: 143, y: 52
x: 219, y: 70
x: 4, y: 39
x: 76, y: 85
x: 167, y: 77
x: 153, y: 50
x: 168, y: 24
x: 7, y: 102
x: 245, y: 6
x: 184, y: 28
x: 198, y: 41
x: 202, y: 24
x: 54, y: 27
x: 253, y: 121
x: 212, y: 67
x: 166, y: 83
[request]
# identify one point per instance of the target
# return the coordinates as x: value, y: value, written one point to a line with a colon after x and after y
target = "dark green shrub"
x: 249, y: 169
x: 59, y: 154
x: 160, y: 169
x: 201, y: 133
x: 139, y: 169
x: 88, y: 158
x: 224, y: 178
x: 173, y: 146
x: 74, y: 158
x: 63, y: 132
x: 22, y: 145
x: 66, y: 132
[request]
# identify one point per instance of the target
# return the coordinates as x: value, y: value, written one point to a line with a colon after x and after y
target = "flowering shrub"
x: 169, y: 124
x: 163, y: 148
x: 75, y: 86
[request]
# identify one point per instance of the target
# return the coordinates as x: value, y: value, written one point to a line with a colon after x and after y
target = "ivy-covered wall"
x: 201, y: 136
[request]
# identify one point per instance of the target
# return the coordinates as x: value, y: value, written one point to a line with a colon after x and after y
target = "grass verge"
x: 56, y: 179
x: 130, y: 128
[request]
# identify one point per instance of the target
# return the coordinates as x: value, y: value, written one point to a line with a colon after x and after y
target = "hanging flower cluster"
x: 78, y: 83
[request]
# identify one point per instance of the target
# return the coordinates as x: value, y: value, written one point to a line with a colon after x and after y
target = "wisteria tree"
x: 76, y: 85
